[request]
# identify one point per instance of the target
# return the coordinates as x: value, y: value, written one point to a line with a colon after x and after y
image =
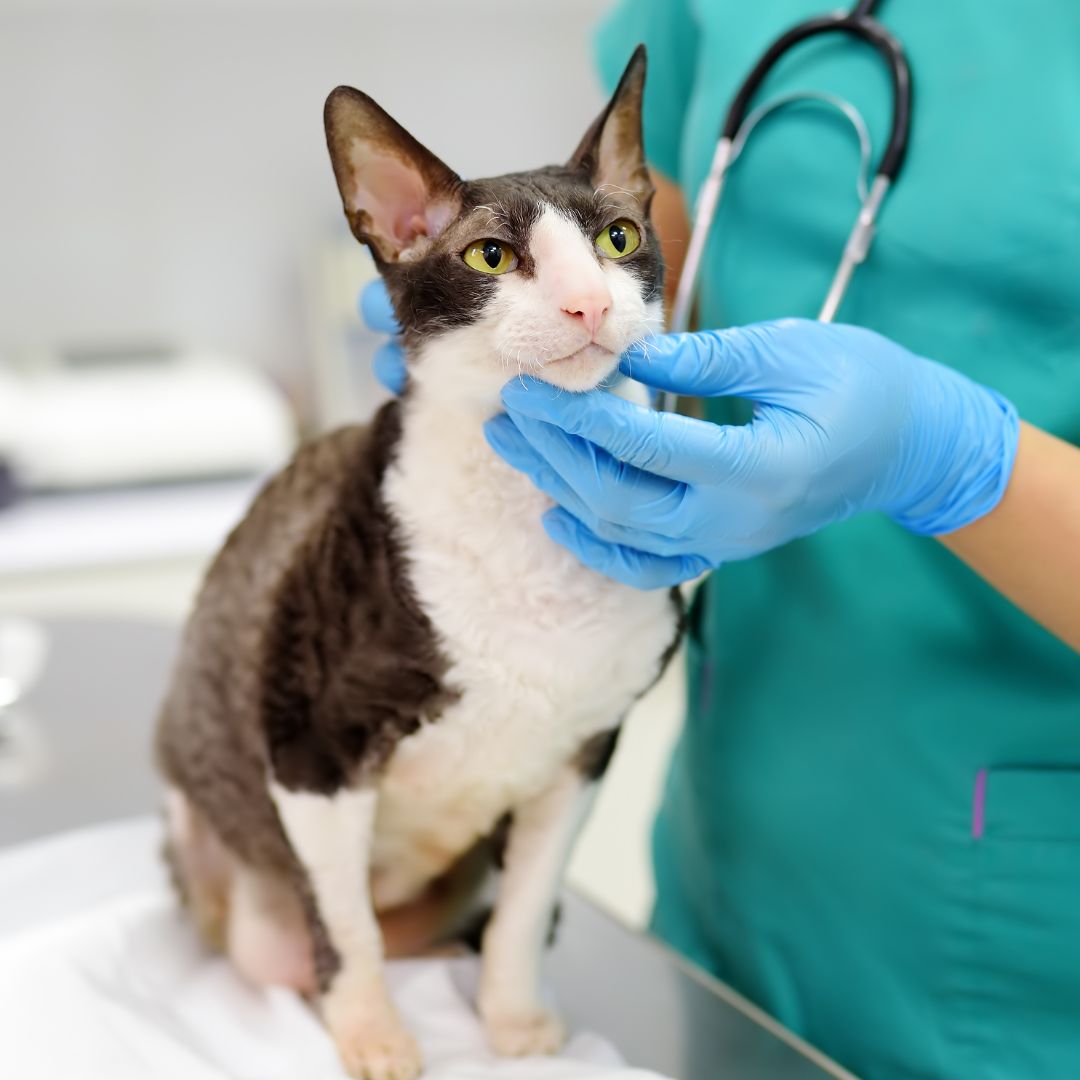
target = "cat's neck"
x: 456, y: 374
x: 445, y: 479
x: 446, y: 433
x: 443, y: 411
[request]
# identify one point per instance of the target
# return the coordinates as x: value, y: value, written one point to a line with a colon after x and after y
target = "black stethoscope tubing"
x: 857, y: 23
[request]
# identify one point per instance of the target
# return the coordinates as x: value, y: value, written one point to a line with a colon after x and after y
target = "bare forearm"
x: 1028, y: 547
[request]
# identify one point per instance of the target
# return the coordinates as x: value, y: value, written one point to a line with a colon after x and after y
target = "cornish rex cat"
x: 391, y: 670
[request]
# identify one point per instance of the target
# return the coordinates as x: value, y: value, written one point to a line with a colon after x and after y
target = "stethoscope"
x: 739, y: 123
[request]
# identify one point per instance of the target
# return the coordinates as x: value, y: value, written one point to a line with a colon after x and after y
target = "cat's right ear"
x: 612, y: 152
x: 394, y: 190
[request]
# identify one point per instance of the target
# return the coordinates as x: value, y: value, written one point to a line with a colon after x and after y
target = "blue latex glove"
x: 378, y: 315
x: 845, y: 421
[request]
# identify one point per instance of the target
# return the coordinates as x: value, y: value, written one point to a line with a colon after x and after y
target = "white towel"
x: 102, y: 976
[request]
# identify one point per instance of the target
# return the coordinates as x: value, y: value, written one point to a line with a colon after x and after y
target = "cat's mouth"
x: 583, y: 369
x: 586, y: 353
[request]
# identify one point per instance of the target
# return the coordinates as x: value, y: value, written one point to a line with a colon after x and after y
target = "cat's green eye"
x: 619, y: 239
x: 490, y: 257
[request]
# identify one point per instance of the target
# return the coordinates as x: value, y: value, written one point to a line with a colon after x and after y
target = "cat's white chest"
x: 544, y: 652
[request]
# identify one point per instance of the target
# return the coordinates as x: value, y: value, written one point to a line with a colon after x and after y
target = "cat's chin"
x: 582, y: 370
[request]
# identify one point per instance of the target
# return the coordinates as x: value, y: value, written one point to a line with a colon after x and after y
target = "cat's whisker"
x: 497, y: 216
x: 614, y: 189
x: 640, y: 343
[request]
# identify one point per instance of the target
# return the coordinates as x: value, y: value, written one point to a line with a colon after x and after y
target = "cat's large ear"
x: 395, y: 191
x: 613, y: 150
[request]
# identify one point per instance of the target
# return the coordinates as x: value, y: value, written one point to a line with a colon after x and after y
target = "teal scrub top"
x: 871, y: 824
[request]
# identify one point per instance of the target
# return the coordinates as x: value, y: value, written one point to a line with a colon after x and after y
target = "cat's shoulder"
x: 338, y: 472
x: 347, y: 460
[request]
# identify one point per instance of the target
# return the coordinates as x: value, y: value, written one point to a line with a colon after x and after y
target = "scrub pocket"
x: 1017, y: 989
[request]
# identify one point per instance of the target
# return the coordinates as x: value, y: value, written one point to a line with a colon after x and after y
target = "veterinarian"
x: 871, y: 825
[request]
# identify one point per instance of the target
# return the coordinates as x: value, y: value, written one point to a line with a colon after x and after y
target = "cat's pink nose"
x: 590, y: 307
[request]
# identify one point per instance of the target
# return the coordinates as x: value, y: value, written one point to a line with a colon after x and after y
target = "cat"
x: 392, y: 677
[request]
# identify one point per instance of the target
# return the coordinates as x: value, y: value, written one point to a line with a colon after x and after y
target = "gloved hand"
x: 378, y: 315
x: 845, y: 421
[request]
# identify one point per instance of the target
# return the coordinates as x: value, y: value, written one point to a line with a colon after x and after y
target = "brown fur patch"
x: 307, y: 657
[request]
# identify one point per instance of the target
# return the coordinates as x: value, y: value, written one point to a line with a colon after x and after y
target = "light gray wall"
x: 162, y: 166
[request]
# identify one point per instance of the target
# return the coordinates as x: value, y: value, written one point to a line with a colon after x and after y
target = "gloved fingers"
x: 376, y: 310
x: 643, y: 540
x: 612, y: 490
x: 624, y: 564
x: 662, y: 444
x: 741, y: 361
x: 389, y: 366
x: 505, y: 439
x: 509, y: 443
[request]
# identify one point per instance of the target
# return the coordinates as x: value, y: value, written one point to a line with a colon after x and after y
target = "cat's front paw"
x: 374, y: 1044
x: 524, y: 1033
x: 381, y: 1055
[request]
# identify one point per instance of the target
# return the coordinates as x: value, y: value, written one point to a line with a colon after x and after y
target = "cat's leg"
x: 201, y: 866
x: 541, y: 836
x: 253, y: 915
x: 267, y: 936
x: 331, y: 837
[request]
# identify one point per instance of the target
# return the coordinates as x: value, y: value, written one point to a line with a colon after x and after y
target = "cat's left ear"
x: 613, y: 150
x: 395, y: 191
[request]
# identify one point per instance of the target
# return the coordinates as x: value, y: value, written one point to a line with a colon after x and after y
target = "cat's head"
x: 552, y: 272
